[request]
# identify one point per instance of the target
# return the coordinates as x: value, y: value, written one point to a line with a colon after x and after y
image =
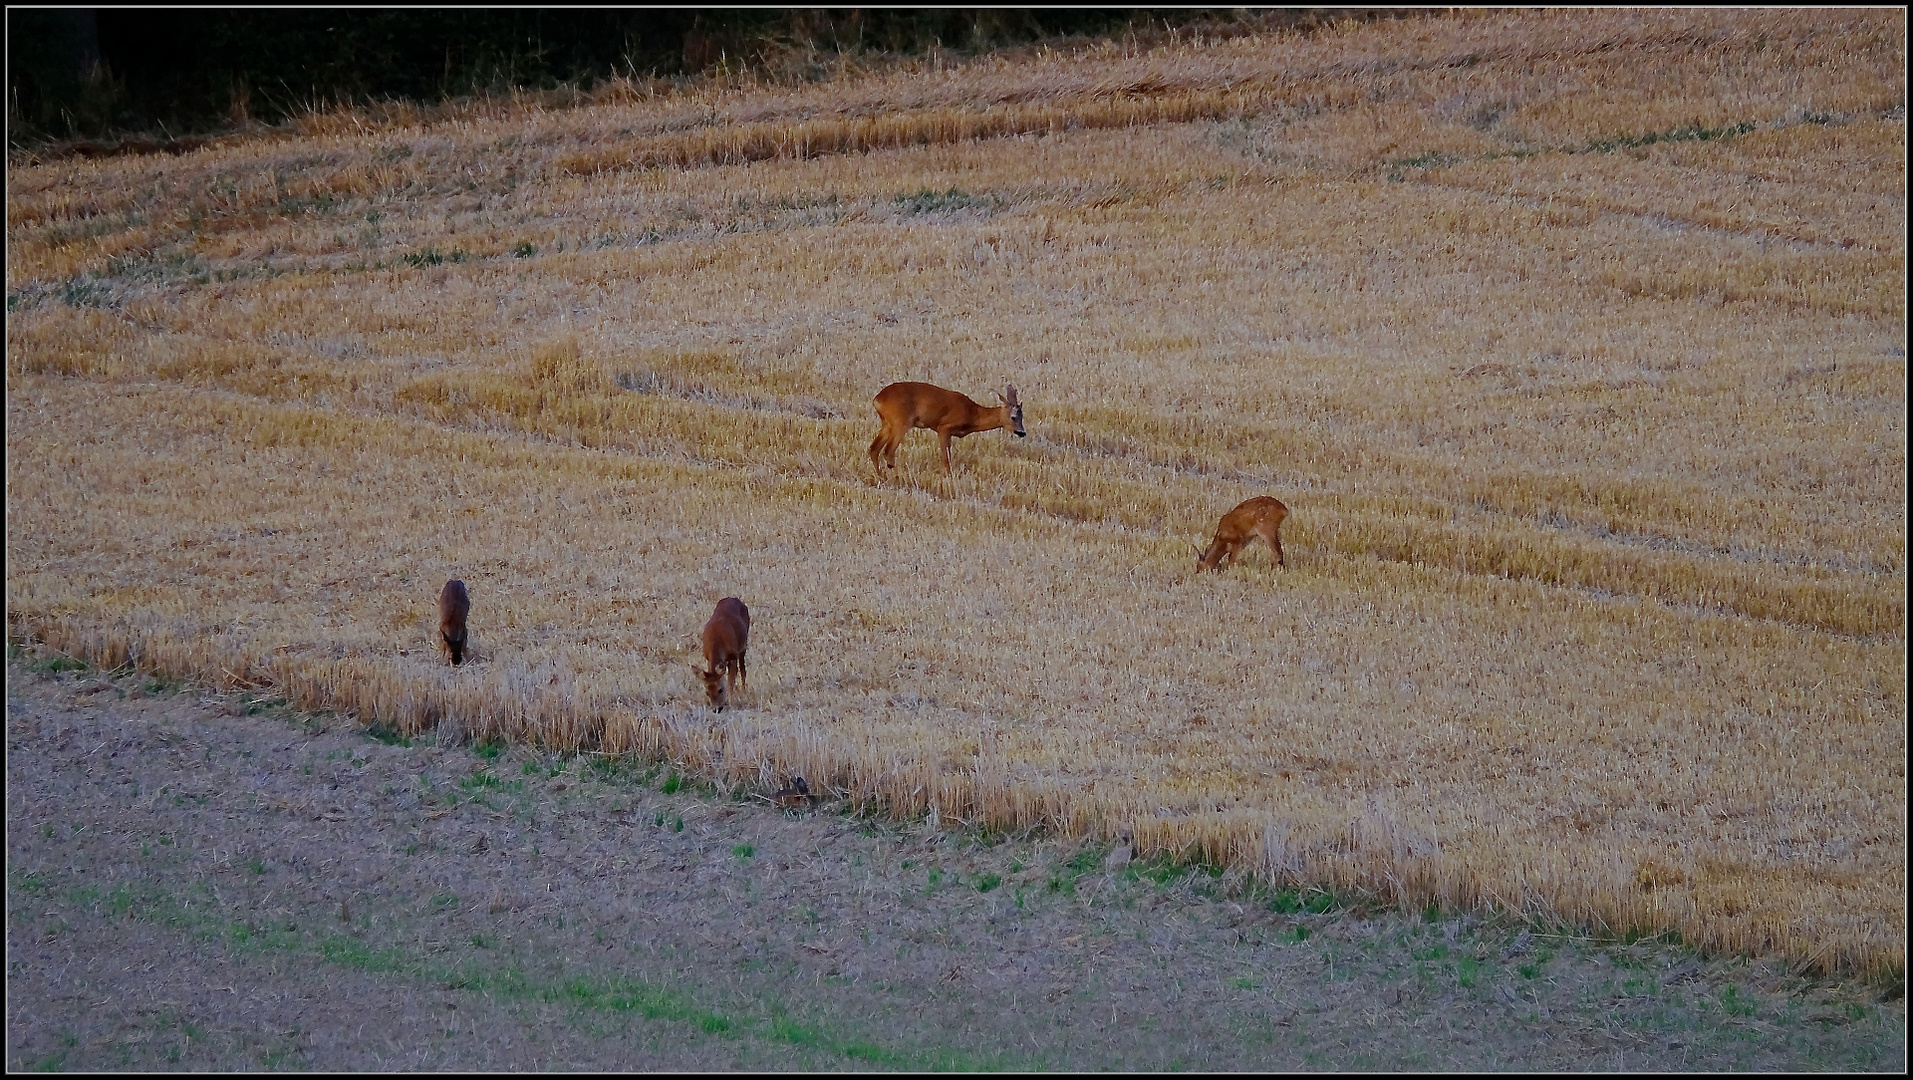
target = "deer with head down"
x: 1261, y: 516
x: 795, y: 797
x: 453, y: 605
x: 725, y: 636
x: 905, y: 406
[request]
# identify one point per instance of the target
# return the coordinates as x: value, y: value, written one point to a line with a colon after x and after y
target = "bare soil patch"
x: 1532, y: 318
x: 210, y: 882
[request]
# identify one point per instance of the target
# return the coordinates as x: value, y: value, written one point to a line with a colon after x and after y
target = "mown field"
x: 1575, y: 342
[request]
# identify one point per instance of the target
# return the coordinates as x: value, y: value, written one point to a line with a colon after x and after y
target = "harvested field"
x: 1575, y: 343
x: 207, y: 881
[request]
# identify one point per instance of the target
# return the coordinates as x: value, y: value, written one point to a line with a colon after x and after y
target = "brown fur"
x: 906, y: 406
x: 725, y: 637
x: 794, y: 797
x: 1261, y: 516
x: 453, y: 606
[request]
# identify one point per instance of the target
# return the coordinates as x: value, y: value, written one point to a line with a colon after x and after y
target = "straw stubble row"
x: 1594, y: 441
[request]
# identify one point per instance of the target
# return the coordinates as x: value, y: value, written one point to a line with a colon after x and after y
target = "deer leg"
x: 884, y: 446
x: 743, y: 677
x: 1268, y: 536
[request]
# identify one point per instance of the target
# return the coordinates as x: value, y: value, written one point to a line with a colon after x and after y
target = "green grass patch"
x: 56, y: 663
x: 1734, y: 1002
x: 1691, y: 133
x: 1286, y: 902
x: 353, y: 953
x: 199, y: 914
x: 385, y: 734
x: 619, y: 769
x: 1085, y: 860
x: 485, y: 781
x: 929, y: 201
x: 318, y: 204
x: 1302, y: 902
x: 1160, y: 869
x: 432, y: 256
x: 1398, y: 169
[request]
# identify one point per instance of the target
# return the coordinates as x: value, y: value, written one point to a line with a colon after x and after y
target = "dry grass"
x: 1574, y: 341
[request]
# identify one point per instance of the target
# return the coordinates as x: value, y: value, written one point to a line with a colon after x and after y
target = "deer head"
x: 714, y: 688
x: 1210, y: 556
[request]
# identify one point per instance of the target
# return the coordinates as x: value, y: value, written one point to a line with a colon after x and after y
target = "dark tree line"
x: 91, y: 72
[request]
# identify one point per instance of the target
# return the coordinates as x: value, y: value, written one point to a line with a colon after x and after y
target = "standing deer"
x: 453, y: 606
x: 906, y: 406
x: 725, y: 636
x: 1261, y: 516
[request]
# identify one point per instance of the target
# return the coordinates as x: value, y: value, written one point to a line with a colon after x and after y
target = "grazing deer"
x: 1260, y: 516
x: 794, y: 797
x: 453, y: 606
x: 725, y: 636
x: 906, y: 406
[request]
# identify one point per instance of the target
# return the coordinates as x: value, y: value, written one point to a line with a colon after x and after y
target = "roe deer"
x: 1260, y: 516
x: 795, y: 797
x: 453, y: 606
x: 906, y: 406
x: 725, y: 637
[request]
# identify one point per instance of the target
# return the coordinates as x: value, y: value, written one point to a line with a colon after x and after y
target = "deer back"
x: 921, y: 405
x: 727, y: 632
x: 1261, y: 512
x: 454, y: 604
